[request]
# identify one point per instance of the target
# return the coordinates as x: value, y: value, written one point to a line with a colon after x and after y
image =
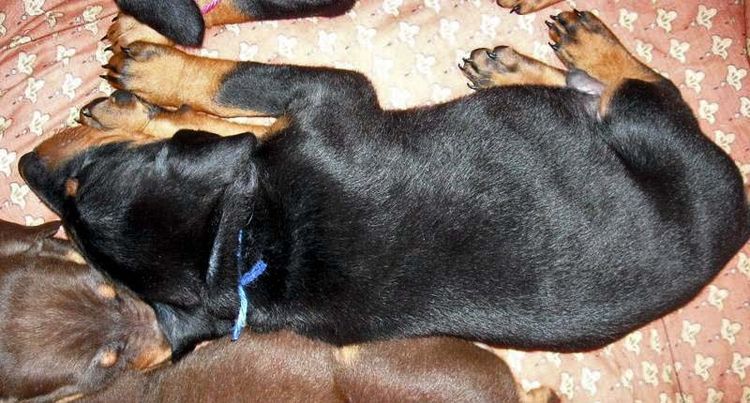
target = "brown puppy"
x: 64, y: 329
x: 286, y: 367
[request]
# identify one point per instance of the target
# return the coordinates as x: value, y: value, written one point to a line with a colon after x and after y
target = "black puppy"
x: 533, y: 216
x: 184, y: 21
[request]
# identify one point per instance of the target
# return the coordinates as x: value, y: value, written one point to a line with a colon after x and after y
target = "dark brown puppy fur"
x: 285, y: 367
x: 64, y: 328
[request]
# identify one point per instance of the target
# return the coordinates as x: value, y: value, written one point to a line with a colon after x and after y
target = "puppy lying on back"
x: 549, y: 210
x: 286, y: 367
x: 64, y: 329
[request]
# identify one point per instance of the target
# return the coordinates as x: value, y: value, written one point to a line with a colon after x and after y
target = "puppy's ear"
x: 184, y: 328
x: 237, y: 175
x: 16, y: 238
x: 179, y: 20
x: 236, y: 205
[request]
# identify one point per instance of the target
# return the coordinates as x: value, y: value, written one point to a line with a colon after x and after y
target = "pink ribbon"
x: 209, y: 6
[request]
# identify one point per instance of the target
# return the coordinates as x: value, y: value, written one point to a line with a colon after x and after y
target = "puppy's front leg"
x: 123, y: 111
x: 166, y: 76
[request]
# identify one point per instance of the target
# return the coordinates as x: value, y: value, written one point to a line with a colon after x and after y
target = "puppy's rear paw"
x: 583, y: 42
x: 504, y: 66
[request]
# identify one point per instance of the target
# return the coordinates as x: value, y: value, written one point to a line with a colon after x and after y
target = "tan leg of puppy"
x: 163, y: 75
x: 583, y: 42
x: 124, y: 111
x: 504, y: 66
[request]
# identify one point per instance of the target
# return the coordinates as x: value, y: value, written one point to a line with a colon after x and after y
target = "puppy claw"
x: 516, y: 9
x: 103, y: 38
x: 109, y: 49
x: 86, y: 112
x: 554, y: 46
x: 115, y: 18
x: 127, y: 51
x: 110, y: 79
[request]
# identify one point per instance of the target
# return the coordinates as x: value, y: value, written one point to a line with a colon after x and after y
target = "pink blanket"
x: 50, y: 57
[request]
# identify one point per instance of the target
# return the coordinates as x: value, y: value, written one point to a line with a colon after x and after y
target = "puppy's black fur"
x: 513, y: 216
x: 182, y: 22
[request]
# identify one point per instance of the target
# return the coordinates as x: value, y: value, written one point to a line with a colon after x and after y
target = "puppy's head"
x: 156, y: 215
x: 64, y: 328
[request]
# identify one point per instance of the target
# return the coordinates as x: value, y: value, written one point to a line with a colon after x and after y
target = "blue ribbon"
x: 245, y: 280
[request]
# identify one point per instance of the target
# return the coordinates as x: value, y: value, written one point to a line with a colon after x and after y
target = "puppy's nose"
x: 122, y: 97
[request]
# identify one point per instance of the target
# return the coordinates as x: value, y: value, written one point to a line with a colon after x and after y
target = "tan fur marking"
x: 503, y: 66
x: 347, y: 355
x: 71, y: 187
x: 106, y: 291
x: 166, y: 124
x: 71, y: 398
x: 108, y: 359
x: 599, y: 53
x: 538, y: 395
x: 152, y: 357
x: 169, y: 77
x: 75, y: 257
x: 68, y: 143
x: 531, y: 72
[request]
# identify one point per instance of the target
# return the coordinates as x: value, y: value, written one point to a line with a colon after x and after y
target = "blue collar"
x: 246, y: 279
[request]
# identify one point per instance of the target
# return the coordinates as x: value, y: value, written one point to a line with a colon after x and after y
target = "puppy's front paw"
x: 152, y: 72
x: 504, y: 66
x: 126, y: 30
x: 121, y: 110
x: 525, y: 6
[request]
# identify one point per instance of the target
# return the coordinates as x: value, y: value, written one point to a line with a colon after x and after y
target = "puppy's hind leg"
x: 583, y: 42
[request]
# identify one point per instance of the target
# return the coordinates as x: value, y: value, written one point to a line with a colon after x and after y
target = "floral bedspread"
x: 50, y: 57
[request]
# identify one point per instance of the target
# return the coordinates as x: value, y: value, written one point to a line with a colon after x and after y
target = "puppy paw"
x: 583, y: 42
x: 150, y: 71
x: 126, y: 30
x: 525, y: 6
x: 541, y: 395
x: 121, y: 110
x: 504, y: 66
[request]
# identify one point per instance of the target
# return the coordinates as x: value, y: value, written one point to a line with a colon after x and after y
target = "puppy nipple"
x: 579, y: 80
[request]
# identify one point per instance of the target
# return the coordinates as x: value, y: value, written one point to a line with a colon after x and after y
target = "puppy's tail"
x: 179, y: 20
